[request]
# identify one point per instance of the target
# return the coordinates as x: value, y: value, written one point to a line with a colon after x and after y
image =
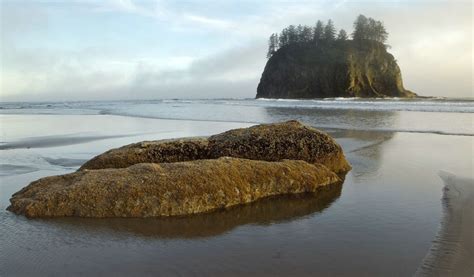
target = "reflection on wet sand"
x: 452, y: 251
x: 263, y: 212
x: 364, y: 150
x: 365, y: 139
x: 336, y: 119
x: 359, y: 132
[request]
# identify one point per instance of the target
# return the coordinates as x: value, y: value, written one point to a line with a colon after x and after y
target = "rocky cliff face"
x: 341, y: 69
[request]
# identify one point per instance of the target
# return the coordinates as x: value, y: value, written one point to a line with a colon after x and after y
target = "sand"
x: 452, y: 251
x: 381, y: 222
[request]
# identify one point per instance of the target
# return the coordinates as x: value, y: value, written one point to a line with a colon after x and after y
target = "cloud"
x: 431, y: 41
x: 82, y: 75
x: 15, y: 19
x: 128, y: 6
x: 160, y: 11
x: 220, y: 73
x: 216, y: 23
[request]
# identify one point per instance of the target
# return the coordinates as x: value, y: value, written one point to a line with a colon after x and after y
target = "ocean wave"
x: 437, y: 116
x: 382, y: 104
x: 375, y: 104
x: 402, y: 130
x: 321, y: 126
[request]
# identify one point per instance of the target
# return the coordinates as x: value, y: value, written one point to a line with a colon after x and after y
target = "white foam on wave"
x: 383, y: 104
x: 256, y: 111
x: 376, y: 104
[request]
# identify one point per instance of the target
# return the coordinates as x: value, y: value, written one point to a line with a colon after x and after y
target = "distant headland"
x: 306, y: 62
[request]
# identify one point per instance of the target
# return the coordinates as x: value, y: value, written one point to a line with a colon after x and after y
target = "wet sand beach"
x: 453, y: 249
x: 382, y: 221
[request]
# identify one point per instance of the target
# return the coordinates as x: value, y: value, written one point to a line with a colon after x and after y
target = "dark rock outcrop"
x: 189, y: 176
x: 273, y: 142
x: 161, y: 151
x: 167, y: 189
x: 269, y: 142
x: 340, y: 69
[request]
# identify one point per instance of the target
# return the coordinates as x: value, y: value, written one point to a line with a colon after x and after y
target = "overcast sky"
x: 123, y: 49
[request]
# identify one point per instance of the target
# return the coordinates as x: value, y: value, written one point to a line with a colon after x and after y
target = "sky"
x: 124, y: 49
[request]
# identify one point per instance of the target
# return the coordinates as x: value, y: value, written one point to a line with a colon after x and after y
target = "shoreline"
x: 452, y: 252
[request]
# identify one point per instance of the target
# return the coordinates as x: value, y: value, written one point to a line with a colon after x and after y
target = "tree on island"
x: 283, y: 38
x: 342, y: 35
x: 292, y: 35
x: 306, y: 34
x: 272, y: 45
x: 318, y: 31
x: 365, y: 29
x: 369, y: 29
x: 329, y: 32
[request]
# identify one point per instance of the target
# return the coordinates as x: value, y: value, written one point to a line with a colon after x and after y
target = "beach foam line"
x: 452, y: 252
x: 324, y: 127
x: 53, y: 141
x: 456, y: 105
x: 11, y: 169
x: 396, y: 130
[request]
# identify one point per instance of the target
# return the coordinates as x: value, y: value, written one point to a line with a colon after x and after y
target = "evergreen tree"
x: 318, y: 31
x: 342, y: 35
x: 365, y: 28
x: 360, y: 28
x: 369, y: 29
x: 272, y: 45
x: 307, y: 34
x: 299, y: 33
x: 292, y: 34
x: 283, y: 38
x: 329, y: 32
x: 371, y: 32
x: 381, y: 33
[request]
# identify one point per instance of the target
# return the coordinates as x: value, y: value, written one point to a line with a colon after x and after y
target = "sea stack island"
x: 305, y: 62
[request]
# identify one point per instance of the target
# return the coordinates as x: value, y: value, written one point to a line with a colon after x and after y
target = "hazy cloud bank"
x: 198, y: 50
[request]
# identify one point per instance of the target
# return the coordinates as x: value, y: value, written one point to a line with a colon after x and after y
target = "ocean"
x: 381, y: 221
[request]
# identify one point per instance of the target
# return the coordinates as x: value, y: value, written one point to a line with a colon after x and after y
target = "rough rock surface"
x: 161, y: 151
x: 342, y: 69
x: 274, y: 142
x: 269, y: 142
x: 269, y: 210
x: 167, y: 189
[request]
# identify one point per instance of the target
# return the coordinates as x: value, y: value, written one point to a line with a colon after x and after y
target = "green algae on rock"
x: 167, y: 189
x: 269, y: 142
x: 273, y: 142
x: 161, y: 151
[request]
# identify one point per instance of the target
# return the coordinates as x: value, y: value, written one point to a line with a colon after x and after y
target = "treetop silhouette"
x: 365, y: 29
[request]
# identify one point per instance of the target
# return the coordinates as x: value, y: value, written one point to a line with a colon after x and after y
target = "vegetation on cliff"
x: 314, y: 62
